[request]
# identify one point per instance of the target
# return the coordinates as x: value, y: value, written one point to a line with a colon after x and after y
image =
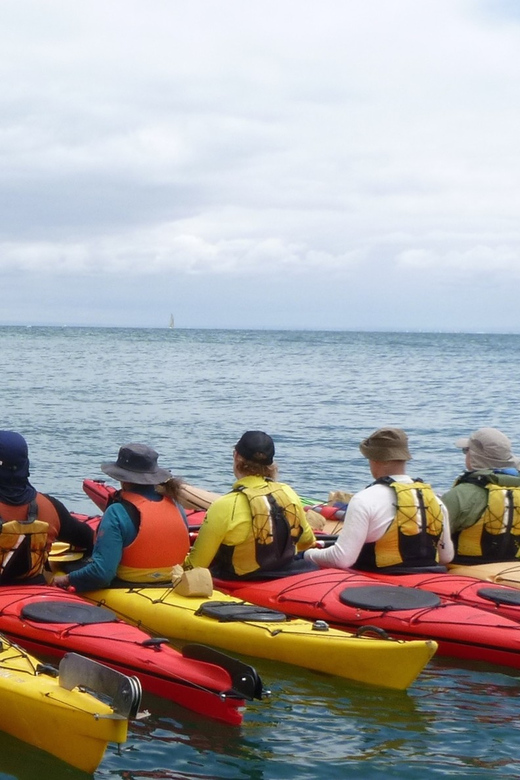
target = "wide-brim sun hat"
x: 386, y: 444
x: 489, y: 448
x: 136, y: 463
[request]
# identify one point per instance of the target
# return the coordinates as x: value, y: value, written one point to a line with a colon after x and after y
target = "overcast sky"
x: 346, y: 164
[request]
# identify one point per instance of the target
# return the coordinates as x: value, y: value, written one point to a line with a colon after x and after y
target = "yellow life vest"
x: 275, y: 531
x: 496, y: 534
x: 22, y: 547
x: 411, y: 538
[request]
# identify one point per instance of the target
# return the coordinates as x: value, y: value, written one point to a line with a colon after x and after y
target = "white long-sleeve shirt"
x: 368, y: 516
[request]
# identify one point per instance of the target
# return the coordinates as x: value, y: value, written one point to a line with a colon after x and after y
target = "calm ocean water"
x: 77, y: 394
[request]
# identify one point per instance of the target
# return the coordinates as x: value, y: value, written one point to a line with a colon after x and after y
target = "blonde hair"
x: 248, y: 468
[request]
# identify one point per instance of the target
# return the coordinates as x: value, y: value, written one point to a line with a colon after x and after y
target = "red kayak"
x: 45, y: 620
x: 351, y: 599
x: 99, y: 492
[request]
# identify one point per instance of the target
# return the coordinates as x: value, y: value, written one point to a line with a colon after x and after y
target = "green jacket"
x: 466, y: 501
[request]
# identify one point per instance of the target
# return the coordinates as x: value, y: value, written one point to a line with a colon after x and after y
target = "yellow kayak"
x: 53, y: 713
x: 242, y: 628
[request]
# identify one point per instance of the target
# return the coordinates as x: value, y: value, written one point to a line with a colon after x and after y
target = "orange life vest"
x: 26, y: 534
x: 162, y: 541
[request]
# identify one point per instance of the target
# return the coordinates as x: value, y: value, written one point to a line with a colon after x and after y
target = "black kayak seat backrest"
x: 235, y: 612
x: 246, y: 681
x: 67, y: 612
x: 388, y: 598
x: 501, y: 595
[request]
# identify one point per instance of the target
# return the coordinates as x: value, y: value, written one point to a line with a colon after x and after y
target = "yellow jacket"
x: 229, y: 524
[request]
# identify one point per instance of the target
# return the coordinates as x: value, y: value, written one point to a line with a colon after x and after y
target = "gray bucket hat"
x: 136, y: 463
x: 386, y: 444
x: 489, y: 448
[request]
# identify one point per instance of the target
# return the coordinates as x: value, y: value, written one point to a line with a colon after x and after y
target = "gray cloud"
x: 228, y: 144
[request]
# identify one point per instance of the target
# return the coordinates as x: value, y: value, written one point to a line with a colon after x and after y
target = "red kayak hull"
x: 199, y: 686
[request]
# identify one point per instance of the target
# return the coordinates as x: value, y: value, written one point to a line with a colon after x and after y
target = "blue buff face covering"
x: 15, y: 488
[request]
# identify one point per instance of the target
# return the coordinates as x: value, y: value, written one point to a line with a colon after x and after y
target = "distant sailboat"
x: 172, y: 324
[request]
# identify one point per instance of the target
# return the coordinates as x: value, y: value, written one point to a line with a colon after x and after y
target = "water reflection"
x: 20, y: 761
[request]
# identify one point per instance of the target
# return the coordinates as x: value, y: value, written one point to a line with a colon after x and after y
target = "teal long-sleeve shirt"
x: 116, y: 531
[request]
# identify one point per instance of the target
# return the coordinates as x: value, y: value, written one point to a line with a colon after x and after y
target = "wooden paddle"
x: 197, y: 498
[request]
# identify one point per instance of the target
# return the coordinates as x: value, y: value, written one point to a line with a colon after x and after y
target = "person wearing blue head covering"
x: 30, y: 521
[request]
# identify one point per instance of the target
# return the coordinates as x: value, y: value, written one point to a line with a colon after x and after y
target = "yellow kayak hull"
x: 384, y: 662
x: 71, y: 725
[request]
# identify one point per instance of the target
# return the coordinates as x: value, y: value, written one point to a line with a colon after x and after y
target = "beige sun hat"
x: 489, y: 448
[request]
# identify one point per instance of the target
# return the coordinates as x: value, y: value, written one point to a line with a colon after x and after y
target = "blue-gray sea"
x: 77, y: 394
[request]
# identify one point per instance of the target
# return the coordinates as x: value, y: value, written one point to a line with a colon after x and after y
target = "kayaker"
x: 396, y: 524
x: 484, y: 502
x: 259, y: 526
x: 143, y: 532
x: 30, y: 521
